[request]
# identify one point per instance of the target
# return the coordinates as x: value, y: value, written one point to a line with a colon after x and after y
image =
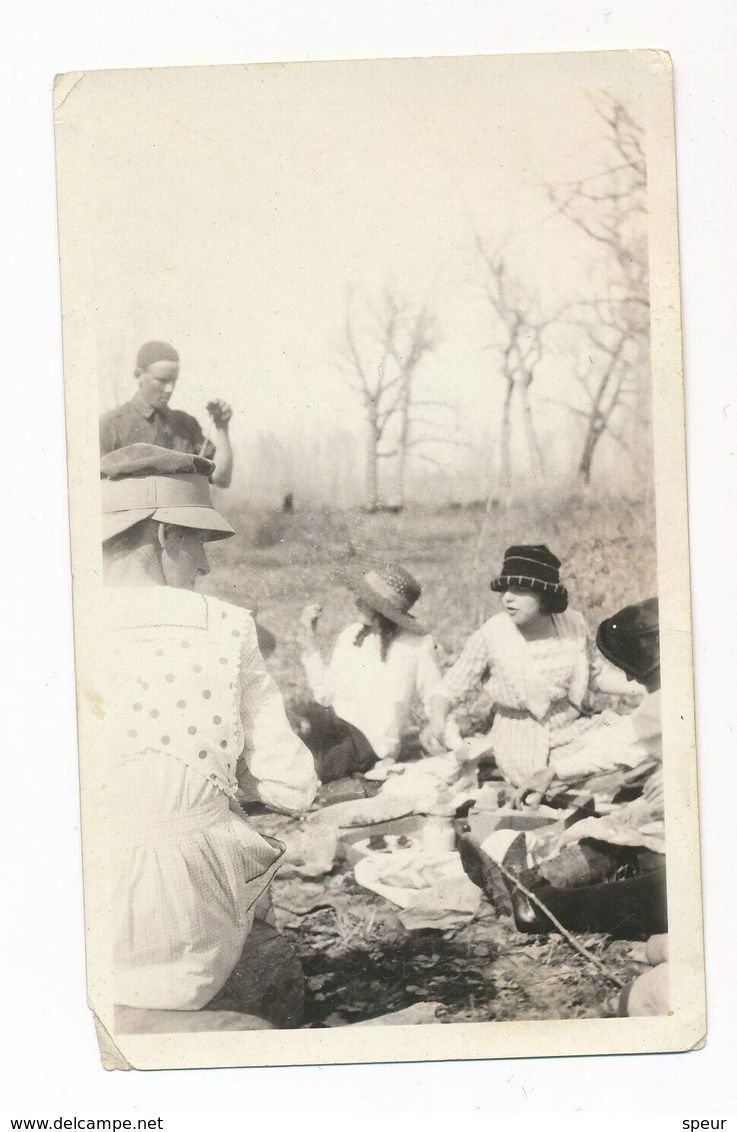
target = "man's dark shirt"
x: 136, y: 422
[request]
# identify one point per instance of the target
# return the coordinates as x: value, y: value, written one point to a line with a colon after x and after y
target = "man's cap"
x: 151, y: 352
x: 144, y: 481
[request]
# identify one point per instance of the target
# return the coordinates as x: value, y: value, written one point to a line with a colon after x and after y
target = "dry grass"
x: 605, y: 546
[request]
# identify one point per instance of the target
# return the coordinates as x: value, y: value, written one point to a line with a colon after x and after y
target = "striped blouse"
x: 540, y: 689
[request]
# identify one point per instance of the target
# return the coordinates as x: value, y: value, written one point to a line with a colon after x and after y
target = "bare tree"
x: 367, y: 373
x: 422, y: 421
x: 609, y: 376
x: 520, y: 328
x: 381, y: 363
x: 610, y: 207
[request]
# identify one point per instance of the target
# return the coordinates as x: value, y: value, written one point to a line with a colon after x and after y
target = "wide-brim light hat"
x: 631, y: 638
x: 391, y: 592
x: 532, y: 567
x: 144, y: 481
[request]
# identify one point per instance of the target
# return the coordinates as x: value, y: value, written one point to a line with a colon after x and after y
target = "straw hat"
x: 143, y: 481
x: 392, y: 592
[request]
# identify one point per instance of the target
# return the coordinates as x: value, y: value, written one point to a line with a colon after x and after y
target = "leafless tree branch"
x: 610, y: 207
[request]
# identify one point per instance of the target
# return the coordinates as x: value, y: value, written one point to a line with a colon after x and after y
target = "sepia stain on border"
x: 95, y: 702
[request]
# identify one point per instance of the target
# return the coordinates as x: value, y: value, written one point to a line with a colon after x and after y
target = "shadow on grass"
x: 365, y: 982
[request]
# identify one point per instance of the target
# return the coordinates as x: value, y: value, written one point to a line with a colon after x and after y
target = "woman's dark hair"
x: 388, y: 632
x: 553, y: 603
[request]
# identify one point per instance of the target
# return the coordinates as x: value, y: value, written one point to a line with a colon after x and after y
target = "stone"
x: 267, y: 981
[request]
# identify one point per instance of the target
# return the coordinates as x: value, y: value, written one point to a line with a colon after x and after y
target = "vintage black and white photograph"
x: 377, y: 483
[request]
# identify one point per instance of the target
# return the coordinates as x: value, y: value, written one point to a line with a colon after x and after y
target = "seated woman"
x: 190, y: 712
x: 380, y: 663
x: 578, y: 863
x: 543, y: 666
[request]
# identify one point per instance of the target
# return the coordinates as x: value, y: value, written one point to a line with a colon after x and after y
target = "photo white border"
x: 54, y: 1031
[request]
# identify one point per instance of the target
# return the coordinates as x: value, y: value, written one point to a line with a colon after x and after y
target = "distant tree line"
x: 603, y: 339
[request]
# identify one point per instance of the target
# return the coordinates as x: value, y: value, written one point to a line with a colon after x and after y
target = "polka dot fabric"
x: 180, y: 694
x: 184, y: 690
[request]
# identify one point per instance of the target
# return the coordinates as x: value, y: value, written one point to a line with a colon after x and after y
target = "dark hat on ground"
x: 532, y: 567
x: 151, y: 352
x: 631, y: 638
x: 391, y: 591
x: 143, y: 481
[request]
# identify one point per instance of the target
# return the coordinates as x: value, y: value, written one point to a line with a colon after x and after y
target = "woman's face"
x: 522, y: 605
x: 183, y: 558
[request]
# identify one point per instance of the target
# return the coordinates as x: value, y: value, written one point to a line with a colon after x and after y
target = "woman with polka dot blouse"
x: 190, y: 712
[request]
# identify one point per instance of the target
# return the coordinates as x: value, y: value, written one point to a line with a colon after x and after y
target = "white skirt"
x: 185, y: 884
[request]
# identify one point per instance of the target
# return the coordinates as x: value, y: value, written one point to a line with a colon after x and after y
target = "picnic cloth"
x: 634, y: 823
x: 310, y: 851
x: 432, y: 785
x: 362, y: 811
x: 432, y: 886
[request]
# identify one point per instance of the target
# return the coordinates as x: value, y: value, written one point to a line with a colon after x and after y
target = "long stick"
x: 563, y: 931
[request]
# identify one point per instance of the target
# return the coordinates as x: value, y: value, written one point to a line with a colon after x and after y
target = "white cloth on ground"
x: 634, y: 824
x: 438, y: 780
x: 431, y: 885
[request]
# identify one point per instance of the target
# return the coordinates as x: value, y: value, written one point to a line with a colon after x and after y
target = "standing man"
x: 147, y: 418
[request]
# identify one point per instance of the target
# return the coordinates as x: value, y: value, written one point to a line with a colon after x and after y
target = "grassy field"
x: 277, y: 563
x: 358, y: 959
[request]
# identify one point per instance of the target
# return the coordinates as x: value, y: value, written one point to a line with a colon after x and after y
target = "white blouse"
x: 375, y: 695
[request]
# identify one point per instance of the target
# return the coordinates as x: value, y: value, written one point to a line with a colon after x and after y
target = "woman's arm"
x: 429, y: 688
x: 223, y: 474
x: 429, y: 680
x: 463, y: 677
x: 318, y: 673
x: 221, y: 414
x: 278, y: 766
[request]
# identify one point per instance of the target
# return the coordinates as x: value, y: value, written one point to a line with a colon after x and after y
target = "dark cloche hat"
x: 532, y: 567
x: 392, y: 592
x: 144, y: 481
x: 631, y: 638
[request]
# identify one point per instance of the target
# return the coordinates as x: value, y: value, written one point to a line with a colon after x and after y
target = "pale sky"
x: 236, y: 207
